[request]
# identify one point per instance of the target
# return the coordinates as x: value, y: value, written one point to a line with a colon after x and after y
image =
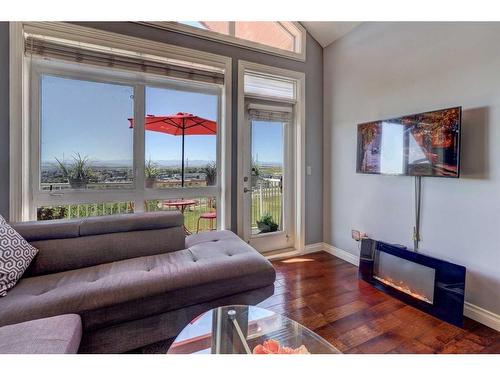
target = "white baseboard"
x: 471, y: 311
x: 290, y: 253
x: 342, y: 254
x: 314, y: 248
x: 483, y: 316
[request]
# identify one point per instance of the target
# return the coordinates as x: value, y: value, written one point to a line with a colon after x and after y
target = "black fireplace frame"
x: 449, y: 282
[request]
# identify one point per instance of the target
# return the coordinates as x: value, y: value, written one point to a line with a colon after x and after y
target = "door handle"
x: 247, y: 190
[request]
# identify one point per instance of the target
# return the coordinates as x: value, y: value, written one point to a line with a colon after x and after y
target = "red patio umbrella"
x: 179, y: 124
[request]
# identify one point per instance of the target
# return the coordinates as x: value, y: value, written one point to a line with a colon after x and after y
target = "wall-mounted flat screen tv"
x: 424, y: 144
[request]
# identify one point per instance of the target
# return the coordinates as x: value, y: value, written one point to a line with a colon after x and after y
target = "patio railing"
x: 266, y: 199
x: 73, y: 211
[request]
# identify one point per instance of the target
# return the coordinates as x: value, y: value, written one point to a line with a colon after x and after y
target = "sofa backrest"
x: 71, y: 244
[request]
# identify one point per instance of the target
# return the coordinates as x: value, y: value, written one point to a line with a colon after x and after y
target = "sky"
x: 91, y: 118
x: 267, y: 142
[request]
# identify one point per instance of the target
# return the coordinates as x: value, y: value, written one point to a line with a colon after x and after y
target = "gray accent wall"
x: 313, y: 68
x: 4, y: 119
x: 383, y: 70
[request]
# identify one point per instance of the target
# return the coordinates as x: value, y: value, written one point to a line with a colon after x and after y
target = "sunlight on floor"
x: 297, y: 260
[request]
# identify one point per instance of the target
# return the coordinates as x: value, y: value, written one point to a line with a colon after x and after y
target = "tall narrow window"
x: 268, y: 173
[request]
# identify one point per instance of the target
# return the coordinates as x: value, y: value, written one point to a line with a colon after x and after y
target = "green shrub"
x: 267, y: 224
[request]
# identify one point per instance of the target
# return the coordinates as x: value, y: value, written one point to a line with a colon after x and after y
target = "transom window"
x: 278, y: 37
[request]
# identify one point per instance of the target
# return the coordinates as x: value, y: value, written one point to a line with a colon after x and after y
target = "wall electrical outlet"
x: 358, y: 235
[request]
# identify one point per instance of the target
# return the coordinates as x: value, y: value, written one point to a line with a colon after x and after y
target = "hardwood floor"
x: 323, y: 293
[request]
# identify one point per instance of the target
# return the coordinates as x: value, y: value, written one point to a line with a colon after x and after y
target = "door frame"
x: 298, y: 163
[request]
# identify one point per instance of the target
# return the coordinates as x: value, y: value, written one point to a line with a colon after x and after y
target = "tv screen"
x: 425, y: 144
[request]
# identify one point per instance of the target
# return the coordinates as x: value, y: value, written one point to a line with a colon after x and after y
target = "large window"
x: 109, y: 143
x: 84, y: 135
x: 278, y: 37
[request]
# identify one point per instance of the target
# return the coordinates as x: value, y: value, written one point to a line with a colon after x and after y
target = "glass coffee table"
x: 243, y: 329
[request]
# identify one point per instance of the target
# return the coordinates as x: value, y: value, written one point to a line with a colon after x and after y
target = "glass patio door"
x: 267, y: 184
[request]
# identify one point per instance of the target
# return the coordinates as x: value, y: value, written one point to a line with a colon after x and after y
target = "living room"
x: 242, y: 185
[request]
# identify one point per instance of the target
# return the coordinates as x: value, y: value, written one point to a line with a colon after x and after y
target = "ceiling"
x: 327, y: 32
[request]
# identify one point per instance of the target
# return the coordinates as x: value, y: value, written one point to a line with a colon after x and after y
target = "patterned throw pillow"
x: 16, y: 255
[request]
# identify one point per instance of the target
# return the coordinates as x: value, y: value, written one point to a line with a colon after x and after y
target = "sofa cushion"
x: 65, y: 245
x: 59, y: 255
x: 60, y: 229
x: 15, y: 256
x: 54, y: 335
x: 207, y: 237
x: 173, y: 300
x: 220, y: 261
x: 128, y: 223
x: 49, y: 229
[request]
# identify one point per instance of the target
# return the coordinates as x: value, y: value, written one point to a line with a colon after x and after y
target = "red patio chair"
x: 207, y: 216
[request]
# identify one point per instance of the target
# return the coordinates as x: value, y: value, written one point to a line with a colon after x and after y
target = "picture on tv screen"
x: 425, y: 144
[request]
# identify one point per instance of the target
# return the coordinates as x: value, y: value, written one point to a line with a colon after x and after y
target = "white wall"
x: 383, y: 70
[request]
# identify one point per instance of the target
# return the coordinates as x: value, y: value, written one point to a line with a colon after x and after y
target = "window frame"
x: 138, y: 193
x: 300, y: 42
x: 299, y: 135
x: 22, y: 198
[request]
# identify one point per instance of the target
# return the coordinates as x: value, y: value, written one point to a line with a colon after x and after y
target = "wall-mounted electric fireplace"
x: 405, y: 276
x: 432, y: 285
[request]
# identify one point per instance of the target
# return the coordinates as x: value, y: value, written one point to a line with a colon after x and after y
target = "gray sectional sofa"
x: 133, y: 279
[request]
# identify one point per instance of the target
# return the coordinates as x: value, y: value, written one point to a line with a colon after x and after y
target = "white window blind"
x: 60, y: 49
x: 269, y: 86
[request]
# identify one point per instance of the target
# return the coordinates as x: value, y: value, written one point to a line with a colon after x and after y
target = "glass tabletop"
x: 243, y: 329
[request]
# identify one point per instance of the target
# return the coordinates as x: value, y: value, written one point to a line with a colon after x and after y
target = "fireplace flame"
x: 402, y: 287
